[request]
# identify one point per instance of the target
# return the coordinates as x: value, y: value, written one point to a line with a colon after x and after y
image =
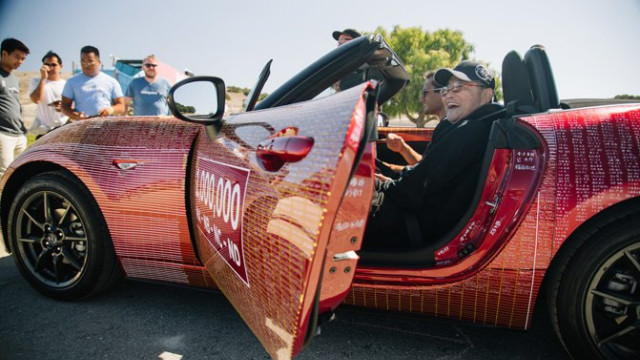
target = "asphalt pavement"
x: 138, y: 320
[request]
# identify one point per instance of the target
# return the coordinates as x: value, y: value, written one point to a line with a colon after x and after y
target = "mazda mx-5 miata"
x: 270, y: 206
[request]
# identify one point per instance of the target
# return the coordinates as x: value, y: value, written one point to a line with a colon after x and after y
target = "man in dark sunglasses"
x: 432, y: 196
x: 432, y: 99
x: 433, y: 106
x: 149, y: 92
x: 46, y: 91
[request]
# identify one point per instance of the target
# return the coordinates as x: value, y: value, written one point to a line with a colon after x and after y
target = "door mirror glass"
x: 199, y: 99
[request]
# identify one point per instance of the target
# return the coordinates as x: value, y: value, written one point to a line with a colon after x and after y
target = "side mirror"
x: 198, y: 99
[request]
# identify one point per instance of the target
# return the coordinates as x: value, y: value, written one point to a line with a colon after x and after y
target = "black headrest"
x: 541, y: 77
x: 516, y: 88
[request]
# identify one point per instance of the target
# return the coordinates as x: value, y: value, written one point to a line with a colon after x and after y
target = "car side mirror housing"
x: 199, y: 99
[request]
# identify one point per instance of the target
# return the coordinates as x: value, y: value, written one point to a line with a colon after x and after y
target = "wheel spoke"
x: 624, y: 300
x: 41, y: 259
x: 66, y: 211
x: 633, y: 260
x: 625, y: 330
x: 73, y: 261
x: 57, y: 262
x: 30, y: 240
x: 45, y: 207
x: 73, y: 238
x: 33, y: 220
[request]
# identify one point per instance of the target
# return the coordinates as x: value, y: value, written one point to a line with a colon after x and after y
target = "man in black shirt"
x: 433, y: 105
x: 439, y: 188
x: 13, y: 140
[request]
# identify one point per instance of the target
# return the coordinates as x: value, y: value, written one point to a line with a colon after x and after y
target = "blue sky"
x: 593, y: 45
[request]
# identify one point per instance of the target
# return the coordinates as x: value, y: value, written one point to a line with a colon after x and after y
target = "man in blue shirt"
x: 148, y: 93
x: 91, y: 93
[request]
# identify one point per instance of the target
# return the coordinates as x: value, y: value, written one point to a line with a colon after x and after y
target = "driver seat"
x: 542, y: 81
x: 528, y: 85
x: 516, y: 87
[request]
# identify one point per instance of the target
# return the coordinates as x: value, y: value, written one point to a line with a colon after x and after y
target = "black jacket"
x: 440, y: 187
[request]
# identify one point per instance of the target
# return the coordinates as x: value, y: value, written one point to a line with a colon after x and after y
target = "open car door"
x: 279, y: 200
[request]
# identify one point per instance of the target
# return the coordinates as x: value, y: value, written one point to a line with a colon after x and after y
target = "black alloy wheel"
x: 596, y: 302
x: 59, y: 238
x: 612, y: 305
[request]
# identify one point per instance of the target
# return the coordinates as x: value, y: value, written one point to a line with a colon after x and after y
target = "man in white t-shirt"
x: 46, y: 91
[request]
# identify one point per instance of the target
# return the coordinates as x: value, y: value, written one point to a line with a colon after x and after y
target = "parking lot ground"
x: 139, y: 320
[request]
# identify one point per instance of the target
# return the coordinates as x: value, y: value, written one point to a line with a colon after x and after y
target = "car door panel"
x: 263, y: 234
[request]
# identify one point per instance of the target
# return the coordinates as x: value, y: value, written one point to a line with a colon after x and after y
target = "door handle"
x: 273, y: 153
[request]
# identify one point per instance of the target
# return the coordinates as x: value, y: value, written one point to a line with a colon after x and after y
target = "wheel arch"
x: 103, y: 269
x: 17, y: 179
x: 581, y: 235
x: 558, y: 279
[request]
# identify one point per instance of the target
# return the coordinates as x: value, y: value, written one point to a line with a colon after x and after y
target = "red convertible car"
x: 270, y: 207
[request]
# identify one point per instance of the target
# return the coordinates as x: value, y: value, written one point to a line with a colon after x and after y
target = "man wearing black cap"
x: 360, y: 75
x: 432, y: 196
x: 356, y: 77
x: 465, y: 76
x: 343, y: 36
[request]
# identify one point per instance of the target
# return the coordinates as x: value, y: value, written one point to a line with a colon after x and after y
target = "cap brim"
x: 336, y: 34
x: 442, y: 76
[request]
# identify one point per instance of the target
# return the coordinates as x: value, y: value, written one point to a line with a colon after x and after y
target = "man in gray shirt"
x: 13, y: 140
x: 148, y: 92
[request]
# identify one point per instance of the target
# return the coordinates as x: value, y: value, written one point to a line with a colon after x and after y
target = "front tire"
x: 59, y: 238
x: 595, y: 303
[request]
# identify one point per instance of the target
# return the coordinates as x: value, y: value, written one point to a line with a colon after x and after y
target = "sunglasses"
x: 51, y: 64
x: 457, y: 86
x: 150, y: 65
x: 425, y: 92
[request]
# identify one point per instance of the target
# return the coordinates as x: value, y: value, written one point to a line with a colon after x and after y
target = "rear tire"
x: 595, y: 300
x: 60, y: 239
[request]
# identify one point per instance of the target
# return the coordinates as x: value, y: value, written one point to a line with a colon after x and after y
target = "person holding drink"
x: 46, y: 91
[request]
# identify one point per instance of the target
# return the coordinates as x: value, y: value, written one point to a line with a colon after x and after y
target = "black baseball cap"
x: 354, y: 34
x: 467, y: 71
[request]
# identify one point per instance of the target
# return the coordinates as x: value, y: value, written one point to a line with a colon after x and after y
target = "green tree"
x: 185, y: 109
x: 627, y: 96
x: 422, y: 51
